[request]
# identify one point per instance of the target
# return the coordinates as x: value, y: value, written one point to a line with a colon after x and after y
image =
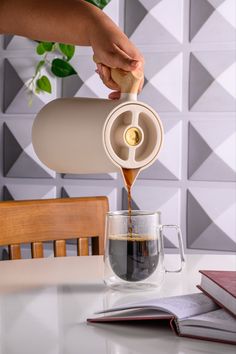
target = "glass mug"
x: 134, y: 250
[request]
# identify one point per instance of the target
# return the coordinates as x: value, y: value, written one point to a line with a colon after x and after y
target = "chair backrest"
x: 57, y: 220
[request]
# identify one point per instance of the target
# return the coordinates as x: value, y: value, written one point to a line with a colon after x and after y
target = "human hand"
x: 112, y: 49
x: 105, y: 75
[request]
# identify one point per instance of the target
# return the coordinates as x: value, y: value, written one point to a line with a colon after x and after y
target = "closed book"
x: 192, y: 315
x: 221, y: 287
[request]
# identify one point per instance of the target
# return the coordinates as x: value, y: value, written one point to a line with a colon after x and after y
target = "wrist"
x: 97, y: 22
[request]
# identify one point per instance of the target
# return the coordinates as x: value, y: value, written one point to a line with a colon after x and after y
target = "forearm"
x: 66, y: 21
x: 73, y: 22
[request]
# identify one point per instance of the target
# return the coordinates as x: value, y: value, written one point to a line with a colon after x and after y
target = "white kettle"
x: 84, y: 135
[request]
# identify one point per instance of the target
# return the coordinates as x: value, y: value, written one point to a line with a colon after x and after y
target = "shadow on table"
x: 68, y: 288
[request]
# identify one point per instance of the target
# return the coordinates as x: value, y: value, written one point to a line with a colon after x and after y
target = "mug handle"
x: 181, y: 247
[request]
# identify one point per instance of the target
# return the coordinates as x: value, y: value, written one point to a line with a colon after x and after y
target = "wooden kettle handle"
x: 128, y: 81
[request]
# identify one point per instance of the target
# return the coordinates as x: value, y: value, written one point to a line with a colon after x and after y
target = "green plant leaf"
x: 99, y: 3
x: 62, y: 68
x: 39, y: 66
x: 43, y: 84
x: 40, y: 49
x: 68, y: 50
x: 47, y: 46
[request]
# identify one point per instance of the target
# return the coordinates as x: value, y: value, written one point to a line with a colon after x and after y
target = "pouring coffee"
x: 82, y: 136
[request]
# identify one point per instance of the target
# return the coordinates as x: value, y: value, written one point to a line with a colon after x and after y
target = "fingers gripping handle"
x: 128, y: 81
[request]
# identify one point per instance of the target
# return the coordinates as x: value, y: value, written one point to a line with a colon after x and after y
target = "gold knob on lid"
x: 133, y: 136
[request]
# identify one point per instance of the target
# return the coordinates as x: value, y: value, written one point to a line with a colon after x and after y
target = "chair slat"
x: 60, y: 248
x: 37, y: 250
x: 14, y: 251
x: 83, y: 246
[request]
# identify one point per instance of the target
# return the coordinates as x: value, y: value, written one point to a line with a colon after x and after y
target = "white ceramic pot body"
x: 84, y: 135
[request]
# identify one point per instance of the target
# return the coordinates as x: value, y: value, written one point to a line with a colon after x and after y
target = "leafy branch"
x: 59, y: 67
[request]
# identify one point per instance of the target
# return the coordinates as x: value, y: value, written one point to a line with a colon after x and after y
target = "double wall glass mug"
x: 134, y: 250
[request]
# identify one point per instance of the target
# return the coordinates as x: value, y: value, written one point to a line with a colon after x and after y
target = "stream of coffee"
x: 133, y: 253
x: 129, y: 177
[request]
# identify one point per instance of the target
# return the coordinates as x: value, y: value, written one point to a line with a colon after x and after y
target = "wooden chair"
x: 57, y: 220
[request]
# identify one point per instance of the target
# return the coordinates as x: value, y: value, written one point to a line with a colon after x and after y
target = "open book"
x: 194, y: 315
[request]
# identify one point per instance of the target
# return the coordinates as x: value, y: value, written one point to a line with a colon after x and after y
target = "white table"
x: 44, y: 304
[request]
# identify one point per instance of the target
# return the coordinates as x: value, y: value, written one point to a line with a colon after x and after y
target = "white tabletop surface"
x: 44, y: 304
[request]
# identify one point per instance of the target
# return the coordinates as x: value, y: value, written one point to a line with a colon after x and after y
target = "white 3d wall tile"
x: 19, y: 158
x: 212, y: 84
x: 211, y: 218
x: 25, y: 191
x: 154, y: 22
x: 212, y: 150
x: 86, y: 190
x: 212, y: 20
x: 17, y: 76
x: 164, y: 81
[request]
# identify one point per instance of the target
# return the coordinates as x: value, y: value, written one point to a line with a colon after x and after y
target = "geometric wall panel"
x: 16, y: 97
x: 163, y: 81
x: 211, y: 223
x: 25, y: 192
x: 153, y: 198
x: 12, y: 42
x: 207, y: 15
x: 145, y: 18
x: 112, y: 10
x: 168, y: 164
x: 212, y: 150
x: 19, y: 158
x: 91, y: 191
x: 87, y: 83
x: 212, y: 85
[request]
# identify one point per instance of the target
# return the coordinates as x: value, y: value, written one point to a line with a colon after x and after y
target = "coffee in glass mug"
x: 134, y: 254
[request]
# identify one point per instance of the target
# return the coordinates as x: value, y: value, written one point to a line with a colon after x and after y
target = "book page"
x: 133, y: 314
x: 180, y: 306
x: 219, y: 319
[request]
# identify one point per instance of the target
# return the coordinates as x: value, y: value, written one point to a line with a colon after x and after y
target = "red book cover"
x: 225, y: 279
x: 220, y: 286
